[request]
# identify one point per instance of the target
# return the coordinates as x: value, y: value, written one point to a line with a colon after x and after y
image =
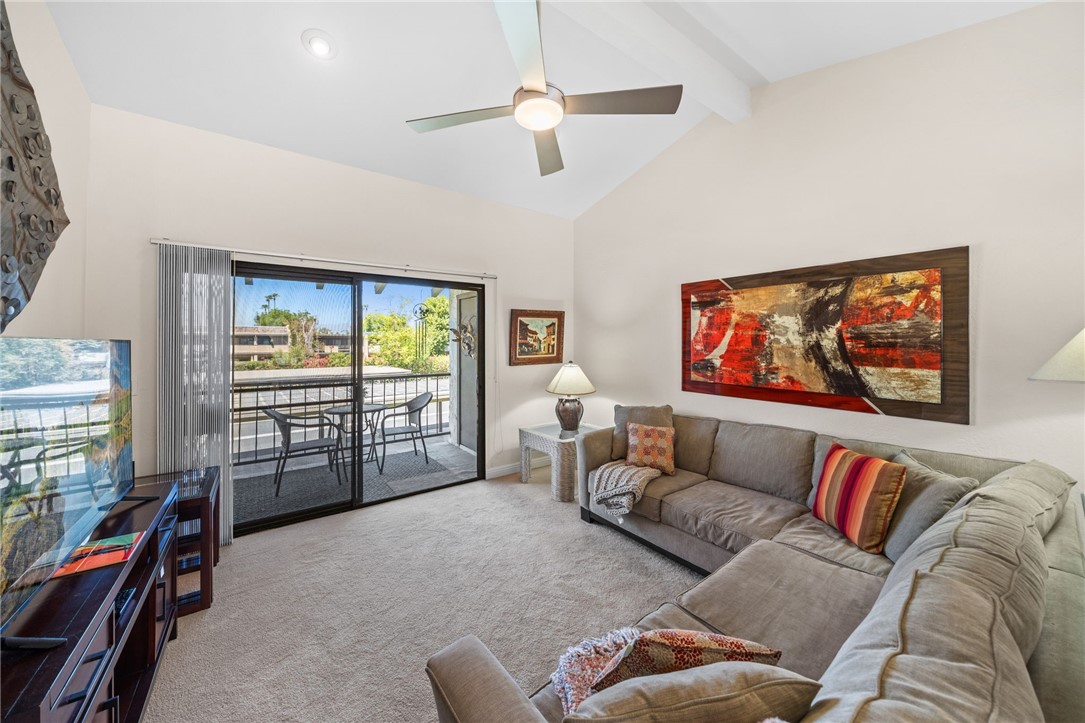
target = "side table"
x: 197, y: 531
x: 560, y: 445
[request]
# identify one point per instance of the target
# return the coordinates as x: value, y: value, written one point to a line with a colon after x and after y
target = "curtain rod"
x: 407, y: 268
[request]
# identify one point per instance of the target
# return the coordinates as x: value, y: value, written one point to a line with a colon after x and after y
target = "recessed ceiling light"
x: 319, y: 43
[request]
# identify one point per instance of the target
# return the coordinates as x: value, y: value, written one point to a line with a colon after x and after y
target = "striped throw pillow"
x: 857, y: 495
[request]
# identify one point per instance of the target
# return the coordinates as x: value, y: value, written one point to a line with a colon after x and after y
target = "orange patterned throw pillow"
x: 651, y: 447
x: 857, y: 495
x: 665, y: 651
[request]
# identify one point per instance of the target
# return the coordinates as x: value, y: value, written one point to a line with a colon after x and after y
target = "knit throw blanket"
x: 619, y: 486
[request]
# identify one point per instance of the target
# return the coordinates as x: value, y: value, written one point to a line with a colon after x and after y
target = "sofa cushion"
x: 857, y: 495
x: 650, y: 446
x: 1057, y: 667
x: 694, y: 439
x: 547, y: 702
x: 958, y: 465
x: 990, y: 549
x: 731, y: 691
x: 657, y: 489
x: 1036, y: 489
x: 666, y: 650
x: 929, y: 649
x: 773, y: 460
x: 1064, y: 545
x: 654, y: 416
x: 669, y: 615
x: 787, y: 599
x: 927, y: 495
x: 810, y: 534
x: 725, y: 515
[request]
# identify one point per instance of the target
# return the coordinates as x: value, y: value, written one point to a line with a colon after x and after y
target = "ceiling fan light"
x: 539, y: 114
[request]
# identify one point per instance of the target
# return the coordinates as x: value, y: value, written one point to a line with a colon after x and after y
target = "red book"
x: 99, y: 553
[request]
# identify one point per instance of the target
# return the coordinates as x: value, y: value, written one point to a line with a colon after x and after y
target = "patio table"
x: 370, y: 420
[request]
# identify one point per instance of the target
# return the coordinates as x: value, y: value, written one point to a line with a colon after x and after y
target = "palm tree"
x: 271, y: 299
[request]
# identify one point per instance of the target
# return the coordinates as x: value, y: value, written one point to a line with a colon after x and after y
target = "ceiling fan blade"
x: 520, y: 22
x: 662, y: 99
x: 546, y: 148
x: 433, y: 123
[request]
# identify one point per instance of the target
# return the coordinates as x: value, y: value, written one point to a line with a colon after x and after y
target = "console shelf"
x: 105, y: 669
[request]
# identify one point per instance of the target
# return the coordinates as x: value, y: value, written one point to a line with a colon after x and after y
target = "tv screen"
x: 65, y: 453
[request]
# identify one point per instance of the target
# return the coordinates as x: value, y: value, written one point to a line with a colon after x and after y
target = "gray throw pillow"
x: 653, y: 416
x: 926, y: 496
x: 731, y: 691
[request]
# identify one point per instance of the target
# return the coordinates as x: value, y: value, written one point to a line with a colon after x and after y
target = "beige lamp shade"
x: 570, y: 381
x: 1068, y: 364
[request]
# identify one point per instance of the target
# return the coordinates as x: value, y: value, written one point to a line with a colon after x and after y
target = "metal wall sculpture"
x: 33, y: 214
x: 881, y: 336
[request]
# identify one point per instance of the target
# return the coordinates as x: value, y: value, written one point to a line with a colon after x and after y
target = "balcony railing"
x: 256, y: 438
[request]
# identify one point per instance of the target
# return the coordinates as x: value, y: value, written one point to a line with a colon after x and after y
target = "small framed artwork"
x: 536, y: 337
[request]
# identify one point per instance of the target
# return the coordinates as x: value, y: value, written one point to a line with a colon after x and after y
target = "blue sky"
x: 331, y: 305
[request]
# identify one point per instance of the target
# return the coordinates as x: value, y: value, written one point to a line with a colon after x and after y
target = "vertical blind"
x: 195, y: 316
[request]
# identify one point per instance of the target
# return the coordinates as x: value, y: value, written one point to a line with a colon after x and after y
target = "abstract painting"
x: 885, y: 335
x: 536, y: 337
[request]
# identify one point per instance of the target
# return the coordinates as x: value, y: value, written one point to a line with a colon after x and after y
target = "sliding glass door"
x: 350, y: 389
x: 414, y: 383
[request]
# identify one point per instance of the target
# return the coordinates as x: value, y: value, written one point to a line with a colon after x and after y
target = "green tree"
x: 339, y: 359
x: 392, y: 338
x: 274, y: 317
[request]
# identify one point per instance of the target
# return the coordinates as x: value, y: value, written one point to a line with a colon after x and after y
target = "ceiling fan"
x: 539, y: 106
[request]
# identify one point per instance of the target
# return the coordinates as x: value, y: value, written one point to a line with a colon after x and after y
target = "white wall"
x: 56, y: 308
x: 973, y: 137
x: 150, y: 178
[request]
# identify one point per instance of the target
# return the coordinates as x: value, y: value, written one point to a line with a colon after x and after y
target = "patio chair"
x: 412, y: 412
x: 286, y: 424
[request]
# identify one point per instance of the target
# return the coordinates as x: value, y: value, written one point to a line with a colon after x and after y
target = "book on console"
x: 99, y: 553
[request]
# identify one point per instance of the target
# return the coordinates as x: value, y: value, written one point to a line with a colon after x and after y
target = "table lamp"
x: 570, y: 383
x: 1068, y: 364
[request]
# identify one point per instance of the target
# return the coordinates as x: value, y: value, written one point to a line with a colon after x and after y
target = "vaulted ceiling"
x: 240, y: 69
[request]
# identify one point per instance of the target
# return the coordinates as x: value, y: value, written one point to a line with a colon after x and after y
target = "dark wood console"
x: 105, y: 671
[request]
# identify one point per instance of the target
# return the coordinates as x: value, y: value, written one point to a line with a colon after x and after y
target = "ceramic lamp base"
x: 569, y: 413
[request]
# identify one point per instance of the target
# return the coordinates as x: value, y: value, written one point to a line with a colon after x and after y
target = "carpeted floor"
x: 333, y: 619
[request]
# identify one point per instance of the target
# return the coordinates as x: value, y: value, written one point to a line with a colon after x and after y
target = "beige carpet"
x: 333, y: 619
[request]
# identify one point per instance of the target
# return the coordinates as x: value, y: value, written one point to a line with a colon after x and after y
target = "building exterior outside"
x: 258, y: 343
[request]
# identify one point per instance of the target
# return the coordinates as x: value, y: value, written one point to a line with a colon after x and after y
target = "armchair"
x: 412, y: 412
x: 286, y: 424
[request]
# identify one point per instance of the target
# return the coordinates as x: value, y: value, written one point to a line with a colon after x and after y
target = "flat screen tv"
x: 65, y: 453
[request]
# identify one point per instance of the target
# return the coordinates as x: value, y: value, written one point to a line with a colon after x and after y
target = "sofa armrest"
x: 469, y: 686
x: 592, y: 450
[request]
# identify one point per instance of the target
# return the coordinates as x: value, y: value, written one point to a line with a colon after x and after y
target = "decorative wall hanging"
x: 536, y: 337
x: 33, y: 214
x: 464, y: 335
x: 882, y: 336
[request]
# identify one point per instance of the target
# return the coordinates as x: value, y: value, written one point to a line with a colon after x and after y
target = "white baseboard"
x: 536, y: 462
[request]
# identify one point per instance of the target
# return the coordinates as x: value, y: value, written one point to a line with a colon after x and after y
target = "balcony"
x: 308, y: 481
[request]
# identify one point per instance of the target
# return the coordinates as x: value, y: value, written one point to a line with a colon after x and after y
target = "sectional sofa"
x: 976, y: 610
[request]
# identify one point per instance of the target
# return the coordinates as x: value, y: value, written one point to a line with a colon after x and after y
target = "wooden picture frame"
x: 536, y: 337
x: 754, y: 336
